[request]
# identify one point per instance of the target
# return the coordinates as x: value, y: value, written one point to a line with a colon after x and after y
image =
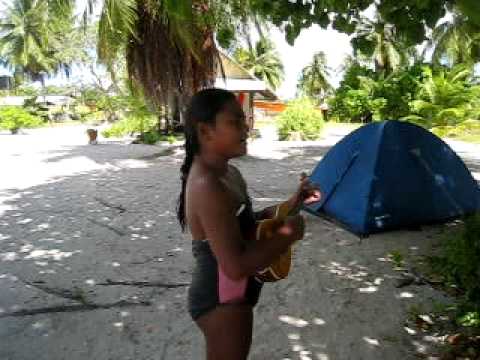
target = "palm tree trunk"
x: 168, y: 69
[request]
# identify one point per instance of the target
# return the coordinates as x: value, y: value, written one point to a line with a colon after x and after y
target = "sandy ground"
x: 93, y: 265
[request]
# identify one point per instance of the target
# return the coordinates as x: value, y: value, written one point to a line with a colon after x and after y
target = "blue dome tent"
x: 391, y: 175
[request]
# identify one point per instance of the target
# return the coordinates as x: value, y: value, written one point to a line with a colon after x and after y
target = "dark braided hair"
x: 203, y: 108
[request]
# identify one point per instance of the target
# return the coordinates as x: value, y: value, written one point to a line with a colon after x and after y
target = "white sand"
x: 73, y: 216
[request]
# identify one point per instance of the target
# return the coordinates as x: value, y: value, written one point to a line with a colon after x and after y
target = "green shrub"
x: 151, y: 137
x: 460, y: 261
x: 170, y: 138
x: 469, y: 318
x: 131, y: 125
x: 363, y: 92
x: 445, y: 97
x: 13, y: 118
x: 301, y: 117
x: 467, y: 130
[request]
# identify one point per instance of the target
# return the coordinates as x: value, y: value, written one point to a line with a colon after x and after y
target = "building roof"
x: 51, y: 99
x: 237, y: 78
x: 12, y: 100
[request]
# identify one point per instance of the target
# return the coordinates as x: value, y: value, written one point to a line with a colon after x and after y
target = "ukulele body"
x: 264, y: 231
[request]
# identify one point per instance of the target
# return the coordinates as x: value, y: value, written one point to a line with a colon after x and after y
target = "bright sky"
x: 335, y: 45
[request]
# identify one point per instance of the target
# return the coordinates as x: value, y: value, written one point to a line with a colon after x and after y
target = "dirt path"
x: 93, y: 265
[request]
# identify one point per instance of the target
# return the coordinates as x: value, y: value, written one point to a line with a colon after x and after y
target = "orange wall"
x: 269, y: 106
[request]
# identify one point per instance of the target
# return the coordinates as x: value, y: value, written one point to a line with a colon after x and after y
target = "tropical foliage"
x: 381, y: 43
x: 314, y: 80
x: 418, y: 93
x: 32, y: 38
x: 13, y: 118
x: 301, y: 120
x: 456, y: 41
x: 263, y: 61
x: 461, y: 257
x: 445, y: 98
x: 169, y: 46
x: 167, y: 61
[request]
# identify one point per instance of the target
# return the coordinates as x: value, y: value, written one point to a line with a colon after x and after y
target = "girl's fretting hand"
x: 307, y: 192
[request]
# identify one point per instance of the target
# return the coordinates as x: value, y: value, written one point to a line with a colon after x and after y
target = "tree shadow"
x: 76, y: 253
x: 96, y: 237
x: 341, y: 300
x: 112, y: 152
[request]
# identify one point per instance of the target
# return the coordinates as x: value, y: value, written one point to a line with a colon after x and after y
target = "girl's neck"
x: 214, y: 162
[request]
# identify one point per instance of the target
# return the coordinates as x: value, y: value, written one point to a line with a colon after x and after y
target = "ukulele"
x: 264, y: 230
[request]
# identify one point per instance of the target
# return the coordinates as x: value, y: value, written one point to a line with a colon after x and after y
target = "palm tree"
x: 456, y: 40
x: 28, y: 32
x: 379, y: 41
x: 23, y: 39
x: 446, y: 97
x: 314, y: 79
x: 263, y: 61
x: 168, y: 44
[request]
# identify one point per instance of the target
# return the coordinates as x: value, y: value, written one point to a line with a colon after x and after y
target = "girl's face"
x: 229, y: 135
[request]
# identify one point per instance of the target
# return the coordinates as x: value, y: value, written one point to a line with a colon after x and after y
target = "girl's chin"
x: 242, y: 150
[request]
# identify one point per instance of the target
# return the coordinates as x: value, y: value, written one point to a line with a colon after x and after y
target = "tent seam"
x: 377, y: 154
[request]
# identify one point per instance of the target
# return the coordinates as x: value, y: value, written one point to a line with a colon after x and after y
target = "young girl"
x: 215, y: 205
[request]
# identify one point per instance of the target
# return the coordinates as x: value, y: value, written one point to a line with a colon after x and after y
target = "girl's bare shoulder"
x: 202, y: 179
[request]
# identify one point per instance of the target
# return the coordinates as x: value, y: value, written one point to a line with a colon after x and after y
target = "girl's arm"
x: 266, y: 213
x: 214, y: 208
x: 269, y: 212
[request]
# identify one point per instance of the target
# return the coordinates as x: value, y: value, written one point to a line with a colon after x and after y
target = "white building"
x: 245, y: 86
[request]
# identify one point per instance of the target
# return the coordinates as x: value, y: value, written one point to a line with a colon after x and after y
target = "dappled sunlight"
x: 297, y: 322
x: 410, y: 331
x: 304, y: 350
x: 353, y: 288
x: 54, y: 254
x: 8, y: 256
x: 420, y: 348
x: 5, y: 208
x: 371, y: 341
x: 41, y: 227
x: 4, y: 237
x: 368, y: 289
x: 38, y: 325
x: 434, y: 339
x: 318, y: 321
x: 68, y: 235
x: 132, y: 164
x: 98, y: 226
x: 405, y: 295
x: 119, y: 325
x: 356, y: 273
x: 135, y: 237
